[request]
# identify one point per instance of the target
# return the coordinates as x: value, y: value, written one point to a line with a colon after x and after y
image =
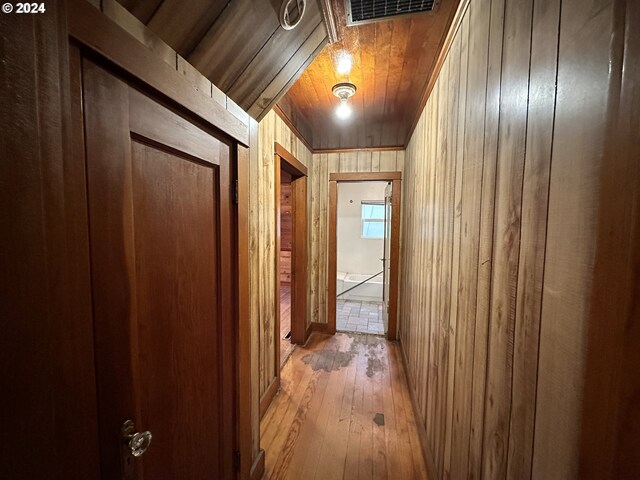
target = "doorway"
x: 291, y: 253
x: 360, y: 257
x: 364, y: 213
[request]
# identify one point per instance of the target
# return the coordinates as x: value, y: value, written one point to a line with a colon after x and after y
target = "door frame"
x: 396, y: 187
x: 284, y: 160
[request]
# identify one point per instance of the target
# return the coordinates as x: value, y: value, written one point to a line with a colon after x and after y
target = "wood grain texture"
x: 47, y: 348
x: 324, y: 165
x: 578, y: 155
x: 93, y: 29
x: 392, y: 63
x: 263, y: 236
x: 239, y: 45
x: 607, y: 446
x: 507, y: 276
x: 156, y: 321
x: 248, y: 335
x: 344, y: 412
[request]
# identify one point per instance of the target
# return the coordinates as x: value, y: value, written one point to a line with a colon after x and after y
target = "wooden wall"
x: 517, y: 251
x: 120, y: 15
x: 262, y: 235
x: 46, y: 344
x: 240, y: 45
x: 323, y: 165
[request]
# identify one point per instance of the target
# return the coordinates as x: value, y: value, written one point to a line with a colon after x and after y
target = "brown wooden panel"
x: 537, y: 372
x: 143, y: 9
x: 173, y: 325
x: 607, y: 439
x: 152, y: 277
x: 584, y: 94
x: 224, y: 65
x: 292, y: 166
x: 544, y: 44
x: 290, y: 73
x: 286, y: 217
x: 90, y: 27
x: 46, y: 350
x: 274, y: 55
x: 153, y: 122
x: 183, y: 28
x: 285, y: 267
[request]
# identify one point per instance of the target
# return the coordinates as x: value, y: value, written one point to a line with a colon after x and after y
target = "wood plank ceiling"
x: 392, y: 63
x: 238, y: 44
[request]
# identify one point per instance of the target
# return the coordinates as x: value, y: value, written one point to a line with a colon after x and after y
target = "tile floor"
x: 356, y: 316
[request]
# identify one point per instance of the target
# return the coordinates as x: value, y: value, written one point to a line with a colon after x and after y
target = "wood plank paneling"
x: 136, y: 53
x: 183, y: 28
x: 263, y: 235
x: 239, y: 45
x: 508, y: 194
x: 392, y: 63
x: 323, y: 165
x: 535, y: 193
x: 577, y: 156
x: 507, y: 212
x: 608, y: 437
x: 46, y: 358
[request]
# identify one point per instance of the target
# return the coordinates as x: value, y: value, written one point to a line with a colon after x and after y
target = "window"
x: 372, y: 219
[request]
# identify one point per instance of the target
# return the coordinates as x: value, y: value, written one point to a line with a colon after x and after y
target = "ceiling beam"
x: 328, y: 13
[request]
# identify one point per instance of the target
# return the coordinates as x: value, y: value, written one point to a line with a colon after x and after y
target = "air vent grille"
x: 365, y: 11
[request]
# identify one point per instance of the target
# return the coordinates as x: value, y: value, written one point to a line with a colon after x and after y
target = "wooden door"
x: 161, y: 243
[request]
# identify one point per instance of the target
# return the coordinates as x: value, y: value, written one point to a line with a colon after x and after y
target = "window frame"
x: 364, y: 220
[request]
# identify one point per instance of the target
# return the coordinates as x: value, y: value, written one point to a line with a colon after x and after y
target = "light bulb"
x: 343, y: 63
x: 343, y: 111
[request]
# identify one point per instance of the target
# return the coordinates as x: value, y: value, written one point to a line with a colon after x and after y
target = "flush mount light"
x: 344, y: 91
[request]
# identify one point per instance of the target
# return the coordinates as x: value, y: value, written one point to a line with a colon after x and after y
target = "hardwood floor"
x: 344, y: 412
x: 286, y: 347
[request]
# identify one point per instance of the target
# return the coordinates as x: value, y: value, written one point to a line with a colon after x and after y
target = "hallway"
x: 344, y: 411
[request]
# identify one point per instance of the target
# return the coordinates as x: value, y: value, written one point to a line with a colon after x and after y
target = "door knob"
x: 136, y: 442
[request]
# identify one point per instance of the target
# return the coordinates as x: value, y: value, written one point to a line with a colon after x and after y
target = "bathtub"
x: 367, y: 292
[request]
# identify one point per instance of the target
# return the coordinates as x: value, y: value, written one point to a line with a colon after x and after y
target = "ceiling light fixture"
x: 344, y: 91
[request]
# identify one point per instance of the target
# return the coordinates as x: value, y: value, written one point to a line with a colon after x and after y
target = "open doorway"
x: 364, y: 213
x: 286, y: 247
x: 360, y: 257
x: 291, y: 253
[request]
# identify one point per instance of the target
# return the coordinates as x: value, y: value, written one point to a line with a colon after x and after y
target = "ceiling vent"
x: 367, y: 11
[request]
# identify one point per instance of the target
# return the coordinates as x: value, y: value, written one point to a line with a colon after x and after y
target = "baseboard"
x: 432, y: 472
x: 257, y: 469
x: 267, y: 398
